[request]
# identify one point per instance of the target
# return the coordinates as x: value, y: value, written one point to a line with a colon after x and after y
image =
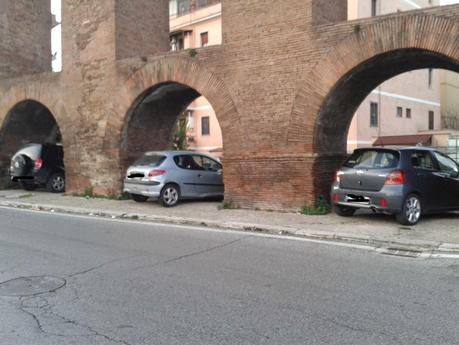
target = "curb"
x: 419, y: 249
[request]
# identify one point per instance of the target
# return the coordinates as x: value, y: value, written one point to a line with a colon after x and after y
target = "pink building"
x: 403, y: 105
x: 193, y: 24
x: 406, y: 105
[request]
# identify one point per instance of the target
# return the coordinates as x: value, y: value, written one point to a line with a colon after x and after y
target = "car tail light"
x: 335, y: 197
x: 156, y: 172
x: 338, y: 176
x: 396, y: 177
x: 38, y: 164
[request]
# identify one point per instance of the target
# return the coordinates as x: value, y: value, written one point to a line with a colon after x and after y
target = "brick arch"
x: 40, y: 93
x: 328, y: 97
x: 367, y: 43
x: 43, y: 94
x: 184, y: 71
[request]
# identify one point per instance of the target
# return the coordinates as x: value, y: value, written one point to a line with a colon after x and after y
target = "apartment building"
x: 407, y: 105
x: 194, y: 24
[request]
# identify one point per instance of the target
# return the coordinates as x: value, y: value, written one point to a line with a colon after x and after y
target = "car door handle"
x: 199, y: 175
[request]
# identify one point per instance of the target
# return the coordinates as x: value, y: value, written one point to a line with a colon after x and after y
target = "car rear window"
x: 33, y: 151
x: 150, y: 159
x: 373, y: 159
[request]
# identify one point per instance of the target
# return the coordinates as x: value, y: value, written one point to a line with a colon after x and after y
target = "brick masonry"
x: 282, y: 84
x: 25, y: 44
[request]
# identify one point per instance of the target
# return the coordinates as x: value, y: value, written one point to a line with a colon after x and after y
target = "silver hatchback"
x: 174, y: 175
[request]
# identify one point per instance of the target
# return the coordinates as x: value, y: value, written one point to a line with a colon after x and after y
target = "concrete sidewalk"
x: 434, y: 234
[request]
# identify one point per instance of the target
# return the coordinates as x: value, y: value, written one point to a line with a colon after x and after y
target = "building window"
x: 399, y: 112
x: 408, y: 113
x: 374, y: 8
x: 183, y: 7
x: 177, y: 41
x: 431, y: 120
x: 430, y: 75
x: 201, y: 3
x: 204, y: 39
x: 205, y: 125
x: 173, y: 8
x: 373, y: 114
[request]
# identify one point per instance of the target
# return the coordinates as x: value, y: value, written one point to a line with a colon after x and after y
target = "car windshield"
x: 373, y: 159
x: 150, y: 159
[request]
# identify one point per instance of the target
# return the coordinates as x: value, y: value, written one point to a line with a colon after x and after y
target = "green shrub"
x: 228, y: 205
x: 319, y: 208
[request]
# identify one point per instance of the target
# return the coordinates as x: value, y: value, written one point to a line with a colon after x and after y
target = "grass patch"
x: 193, y: 52
x: 319, y: 208
x: 228, y: 205
x: 357, y: 28
x: 25, y: 196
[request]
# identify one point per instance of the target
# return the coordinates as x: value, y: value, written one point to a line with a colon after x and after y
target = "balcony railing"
x: 182, y: 7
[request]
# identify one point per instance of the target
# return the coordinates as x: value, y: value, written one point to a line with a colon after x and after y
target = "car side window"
x: 197, y: 162
x: 210, y: 165
x: 447, y: 165
x: 422, y: 160
x: 188, y: 162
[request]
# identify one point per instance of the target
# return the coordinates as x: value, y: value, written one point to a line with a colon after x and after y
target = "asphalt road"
x: 72, y: 280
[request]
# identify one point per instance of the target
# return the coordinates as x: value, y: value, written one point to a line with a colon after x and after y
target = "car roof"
x: 174, y: 153
x: 414, y: 148
x: 398, y: 148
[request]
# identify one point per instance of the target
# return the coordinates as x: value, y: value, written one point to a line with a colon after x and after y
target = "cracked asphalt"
x: 97, y: 281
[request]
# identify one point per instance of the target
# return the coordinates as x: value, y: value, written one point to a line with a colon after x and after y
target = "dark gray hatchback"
x: 406, y: 182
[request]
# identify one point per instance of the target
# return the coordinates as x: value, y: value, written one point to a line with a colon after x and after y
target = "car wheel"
x: 56, y: 183
x: 411, y: 210
x: 28, y: 185
x: 139, y: 198
x: 170, y: 195
x: 344, y: 211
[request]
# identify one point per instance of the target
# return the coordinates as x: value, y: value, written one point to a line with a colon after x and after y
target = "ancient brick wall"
x: 142, y: 27
x: 25, y: 31
x: 280, y: 66
x: 326, y: 12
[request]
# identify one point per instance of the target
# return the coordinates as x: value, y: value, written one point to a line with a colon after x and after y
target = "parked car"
x: 407, y: 182
x: 171, y: 176
x: 39, y: 164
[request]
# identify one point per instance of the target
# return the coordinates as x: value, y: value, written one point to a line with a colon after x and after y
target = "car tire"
x: 411, y: 211
x: 28, y: 185
x: 344, y: 211
x: 139, y: 198
x: 56, y: 183
x: 170, y: 195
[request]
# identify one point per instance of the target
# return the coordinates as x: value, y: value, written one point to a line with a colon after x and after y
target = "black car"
x: 39, y: 165
x: 406, y: 182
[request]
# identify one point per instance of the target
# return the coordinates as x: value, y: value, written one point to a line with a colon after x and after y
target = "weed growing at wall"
x: 319, y: 208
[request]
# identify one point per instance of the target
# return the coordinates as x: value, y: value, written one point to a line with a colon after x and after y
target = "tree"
x: 180, y: 135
